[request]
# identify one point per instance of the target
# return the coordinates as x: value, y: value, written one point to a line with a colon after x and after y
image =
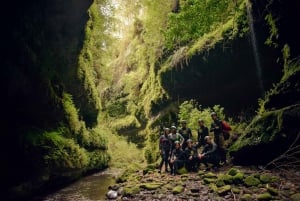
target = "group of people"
x: 177, y: 148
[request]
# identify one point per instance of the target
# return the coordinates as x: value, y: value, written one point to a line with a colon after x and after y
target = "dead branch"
x: 290, y: 158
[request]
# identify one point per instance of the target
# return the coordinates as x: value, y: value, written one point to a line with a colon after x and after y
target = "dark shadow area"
x: 40, y: 44
x: 225, y: 75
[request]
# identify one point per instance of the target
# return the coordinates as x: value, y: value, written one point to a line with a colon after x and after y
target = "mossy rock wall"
x: 276, y: 126
x: 267, y: 137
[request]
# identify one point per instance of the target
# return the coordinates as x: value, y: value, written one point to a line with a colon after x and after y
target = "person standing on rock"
x: 202, y: 133
x: 174, y: 136
x: 177, y: 158
x: 185, y: 132
x: 210, y: 154
x: 165, y: 145
x: 217, y: 128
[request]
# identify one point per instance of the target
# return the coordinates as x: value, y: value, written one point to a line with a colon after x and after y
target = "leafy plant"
x: 195, y: 18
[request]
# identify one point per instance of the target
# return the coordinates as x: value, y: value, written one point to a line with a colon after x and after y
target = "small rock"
x: 112, y: 194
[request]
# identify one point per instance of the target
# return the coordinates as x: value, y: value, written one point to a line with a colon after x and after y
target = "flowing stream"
x: 90, y: 188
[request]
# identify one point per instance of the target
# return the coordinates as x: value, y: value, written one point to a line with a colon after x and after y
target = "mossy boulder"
x: 272, y: 191
x: 246, y: 197
x: 232, y: 171
x: 209, y: 180
x: 150, y: 168
x: 251, y: 181
x: 168, y: 186
x: 182, y: 170
x: 213, y: 187
x: 238, y: 178
x: 220, y: 183
x: 224, y: 189
x: 209, y: 175
x: 178, y: 189
x: 228, y: 179
x: 236, y: 190
x: 151, y: 186
x: 265, y: 178
x: 264, y: 196
x: 132, y: 190
x: 259, y: 142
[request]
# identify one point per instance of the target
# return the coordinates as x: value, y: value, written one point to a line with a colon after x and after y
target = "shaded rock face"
x: 267, y: 137
x: 41, y: 43
x: 285, y: 13
x: 225, y: 75
x: 271, y: 134
x: 288, y: 93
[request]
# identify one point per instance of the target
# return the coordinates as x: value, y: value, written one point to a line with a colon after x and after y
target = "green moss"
x: 182, y: 170
x: 169, y: 186
x: 272, y: 191
x: 236, y: 190
x: 265, y: 178
x: 220, y: 183
x: 213, y: 187
x: 238, y: 178
x: 130, y: 191
x: 209, y: 180
x: 264, y: 196
x: 232, y: 171
x: 178, y: 189
x: 274, y: 179
x: 209, y: 175
x: 251, y: 181
x: 224, y: 189
x: 246, y: 197
x: 71, y: 113
x: 151, y: 186
x: 226, y: 178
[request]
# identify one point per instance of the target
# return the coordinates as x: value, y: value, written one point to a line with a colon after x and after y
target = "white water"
x: 255, y: 50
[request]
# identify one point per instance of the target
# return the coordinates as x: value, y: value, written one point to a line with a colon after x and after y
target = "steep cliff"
x: 48, y: 96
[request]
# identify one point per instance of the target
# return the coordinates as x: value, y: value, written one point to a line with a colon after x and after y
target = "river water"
x: 90, y: 188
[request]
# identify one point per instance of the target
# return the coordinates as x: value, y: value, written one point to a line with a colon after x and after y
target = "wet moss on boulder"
x: 251, y: 181
x: 261, y: 138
